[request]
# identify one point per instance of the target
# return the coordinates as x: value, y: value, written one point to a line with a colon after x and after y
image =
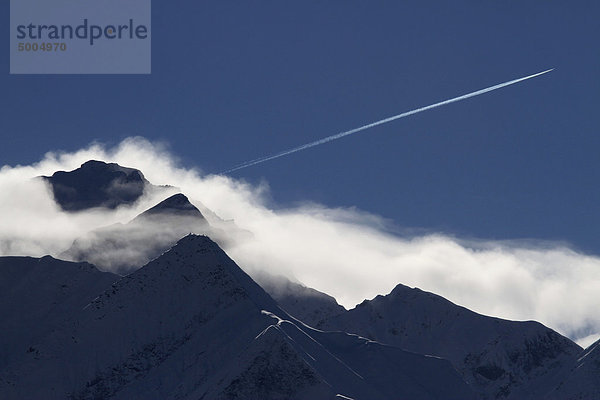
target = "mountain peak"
x: 499, y: 357
x: 177, y: 204
x: 99, y: 165
x: 196, y: 243
x: 122, y: 248
x: 97, y: 184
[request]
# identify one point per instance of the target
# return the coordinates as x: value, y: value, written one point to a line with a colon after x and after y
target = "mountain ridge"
x: 187, y: 322
x: 184, y: 318
x: 496, y: 356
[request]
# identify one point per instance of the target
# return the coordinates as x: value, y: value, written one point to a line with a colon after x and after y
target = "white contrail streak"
x: 380, y: 122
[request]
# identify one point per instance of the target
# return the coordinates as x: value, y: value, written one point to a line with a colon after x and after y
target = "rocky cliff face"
x: 97, y: 184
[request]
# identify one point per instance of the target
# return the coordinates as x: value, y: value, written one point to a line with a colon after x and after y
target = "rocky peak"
x: 97, y: 184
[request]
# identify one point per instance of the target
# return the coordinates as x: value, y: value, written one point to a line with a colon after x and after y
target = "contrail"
x: 380, y: 122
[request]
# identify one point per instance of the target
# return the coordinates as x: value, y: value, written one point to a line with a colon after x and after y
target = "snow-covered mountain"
x: 188, y: 323
x: 123, y: 248
x: 498, y: 358
x: 191, y: 324
x: 37, y: 295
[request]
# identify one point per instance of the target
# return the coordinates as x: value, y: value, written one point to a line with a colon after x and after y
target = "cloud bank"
x: 346, y: 253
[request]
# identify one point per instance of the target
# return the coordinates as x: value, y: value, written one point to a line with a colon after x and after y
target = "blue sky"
x: 232, y: 82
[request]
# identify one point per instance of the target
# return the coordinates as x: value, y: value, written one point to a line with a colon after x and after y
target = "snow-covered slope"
x: 97, y: 184
x: 499, y: 358
x: 306, y: 304
x: 582, y: 381
x: 191, y: 324
x: 123, y: 248
x: 37, y: 295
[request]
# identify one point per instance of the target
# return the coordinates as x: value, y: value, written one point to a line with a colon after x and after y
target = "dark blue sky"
x: 232, y: 82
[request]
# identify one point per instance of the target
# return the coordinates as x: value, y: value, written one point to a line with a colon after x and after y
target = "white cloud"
x: 345, y: 252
